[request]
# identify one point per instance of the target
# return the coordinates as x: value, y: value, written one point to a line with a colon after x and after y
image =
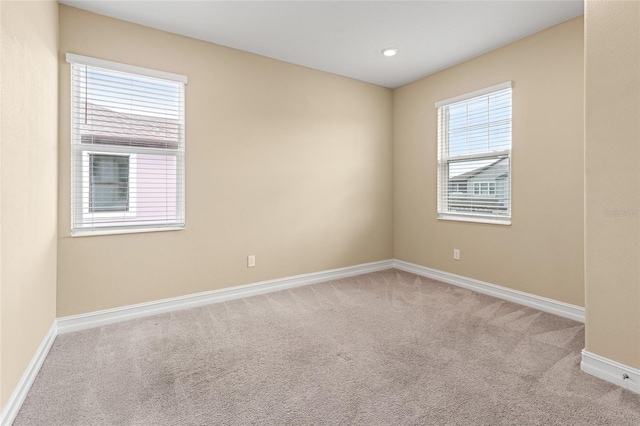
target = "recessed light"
x: 389, y: 51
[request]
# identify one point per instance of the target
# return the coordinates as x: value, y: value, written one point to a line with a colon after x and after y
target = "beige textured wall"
x: 612, y: 89
x: 28, y: 134
x: 542, y: 251
x: 287, y: 163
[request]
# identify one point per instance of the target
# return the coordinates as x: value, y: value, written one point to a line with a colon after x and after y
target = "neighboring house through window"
x: 127, y: 148
x: 474, y: 156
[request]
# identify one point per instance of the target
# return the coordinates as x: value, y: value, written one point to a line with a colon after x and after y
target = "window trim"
x: 78, y: 153
x: 442, y: 186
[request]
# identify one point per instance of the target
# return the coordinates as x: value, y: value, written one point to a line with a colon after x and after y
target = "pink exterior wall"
x: 154, y: 187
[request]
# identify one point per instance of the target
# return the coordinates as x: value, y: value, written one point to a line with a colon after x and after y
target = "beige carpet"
x: 387, y: 348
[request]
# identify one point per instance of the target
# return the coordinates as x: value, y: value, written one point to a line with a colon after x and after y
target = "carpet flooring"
x: 386, y: 348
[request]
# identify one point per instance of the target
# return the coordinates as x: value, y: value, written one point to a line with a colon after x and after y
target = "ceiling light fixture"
x: 389, y: 51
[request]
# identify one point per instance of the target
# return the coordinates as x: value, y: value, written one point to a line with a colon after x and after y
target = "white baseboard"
x: 109, y: 316
x: 611, y: 371
x: 537, y: 302
x: 19, y: 394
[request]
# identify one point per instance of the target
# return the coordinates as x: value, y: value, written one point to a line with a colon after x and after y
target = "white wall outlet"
x: 251, y: 261
x: 456, y: 254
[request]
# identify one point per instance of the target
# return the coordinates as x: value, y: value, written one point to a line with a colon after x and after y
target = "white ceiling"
x: 346, y: 37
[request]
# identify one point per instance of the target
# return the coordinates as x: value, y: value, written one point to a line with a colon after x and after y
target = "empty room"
x: 319, y: 212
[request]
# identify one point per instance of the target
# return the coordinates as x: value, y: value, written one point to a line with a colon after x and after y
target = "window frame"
x: 444, y: 161
x: 80, y: 163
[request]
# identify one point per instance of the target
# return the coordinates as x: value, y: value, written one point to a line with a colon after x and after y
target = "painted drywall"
x: 612, y: 150
x: 541, y: 252
x: 283, y: 162
x: 28, y: 171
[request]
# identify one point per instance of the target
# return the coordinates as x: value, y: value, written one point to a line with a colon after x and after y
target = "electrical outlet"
x: 251, y: 261
x: 456, y: 254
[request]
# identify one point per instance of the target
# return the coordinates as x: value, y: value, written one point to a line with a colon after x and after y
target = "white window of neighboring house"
x: 127, y: 148
x: 112, y: 183
x: 484, y: 188
x: 474, y: 148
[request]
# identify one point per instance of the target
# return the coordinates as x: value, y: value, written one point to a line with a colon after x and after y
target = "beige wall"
x: 612, y: 114
x: 542, y: 251
x: 287, y: 163
x: 28, y: 165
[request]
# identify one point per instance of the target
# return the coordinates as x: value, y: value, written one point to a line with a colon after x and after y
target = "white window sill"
x: 107, y: 231
x: 486, y: 220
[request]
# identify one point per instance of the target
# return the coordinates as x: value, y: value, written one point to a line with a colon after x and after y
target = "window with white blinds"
x: 474, y: 156
x: 127, y: 148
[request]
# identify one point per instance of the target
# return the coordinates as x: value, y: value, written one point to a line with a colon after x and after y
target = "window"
x: 484, y: 188
x: 109, y: 183
x: 474, y: 156
x: 127, y: 140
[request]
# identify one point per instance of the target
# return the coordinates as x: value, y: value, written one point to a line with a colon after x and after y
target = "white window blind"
x: 474, y: 156
x: 128, y: 146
